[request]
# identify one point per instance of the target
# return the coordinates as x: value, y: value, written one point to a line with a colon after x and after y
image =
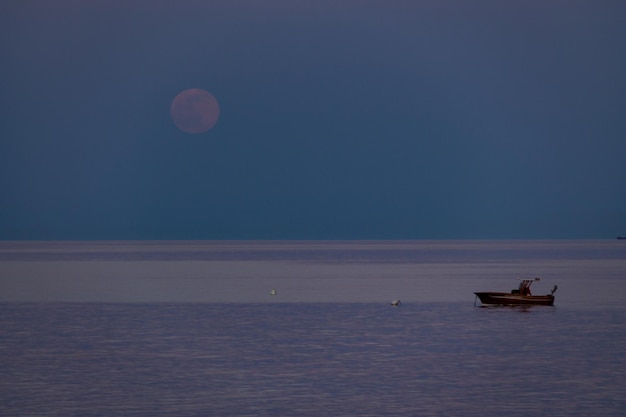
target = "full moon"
x: 195, y: 110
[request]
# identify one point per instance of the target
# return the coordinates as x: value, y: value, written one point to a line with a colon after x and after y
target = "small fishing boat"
x: 519, y: 296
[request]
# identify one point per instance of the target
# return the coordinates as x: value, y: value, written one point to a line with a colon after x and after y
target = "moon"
x: 195, y: 110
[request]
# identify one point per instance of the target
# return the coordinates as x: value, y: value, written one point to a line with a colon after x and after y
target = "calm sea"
x: 191, y: 329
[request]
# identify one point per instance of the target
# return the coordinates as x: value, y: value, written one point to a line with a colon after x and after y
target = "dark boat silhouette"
x: 519, y: 296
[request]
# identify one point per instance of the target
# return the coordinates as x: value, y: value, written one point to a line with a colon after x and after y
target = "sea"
x: 194, y: 328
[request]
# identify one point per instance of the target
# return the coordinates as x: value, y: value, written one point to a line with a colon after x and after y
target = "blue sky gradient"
x: 358, y: 120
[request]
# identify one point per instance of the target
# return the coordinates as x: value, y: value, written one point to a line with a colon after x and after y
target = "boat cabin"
x: 524, y: 287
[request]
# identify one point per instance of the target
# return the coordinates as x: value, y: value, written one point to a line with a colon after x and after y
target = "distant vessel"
x: 519, y: 296
x: 621, y: 237
x: 395, y: 303
x: 273, y: 292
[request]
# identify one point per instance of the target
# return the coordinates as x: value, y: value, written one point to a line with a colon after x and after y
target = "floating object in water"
x: 519, y: 296
x: 395, y: 303
x: 273, y: 292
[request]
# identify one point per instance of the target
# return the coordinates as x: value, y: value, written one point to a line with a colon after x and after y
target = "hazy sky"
x: 339, y: 119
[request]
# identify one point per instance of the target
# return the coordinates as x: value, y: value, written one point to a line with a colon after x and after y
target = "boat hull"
x: 504, y: 298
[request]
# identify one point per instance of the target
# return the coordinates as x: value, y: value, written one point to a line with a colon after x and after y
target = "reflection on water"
x: 310, y: 359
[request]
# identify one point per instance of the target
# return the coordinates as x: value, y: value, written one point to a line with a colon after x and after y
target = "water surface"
x: 190, y: 329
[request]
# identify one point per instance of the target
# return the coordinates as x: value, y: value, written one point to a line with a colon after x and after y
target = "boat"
x: 518, y: 296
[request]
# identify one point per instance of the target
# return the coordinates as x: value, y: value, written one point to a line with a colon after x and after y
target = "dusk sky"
x: 338, y: 119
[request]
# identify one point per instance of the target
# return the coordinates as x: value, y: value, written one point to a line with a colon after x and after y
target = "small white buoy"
x: 395, y: 303
x: 273, y: 292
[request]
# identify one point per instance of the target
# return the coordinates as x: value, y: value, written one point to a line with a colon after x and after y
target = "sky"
x: 447, y: 119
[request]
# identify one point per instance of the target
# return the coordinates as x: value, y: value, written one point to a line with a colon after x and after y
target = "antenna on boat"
x: 554, y: 289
